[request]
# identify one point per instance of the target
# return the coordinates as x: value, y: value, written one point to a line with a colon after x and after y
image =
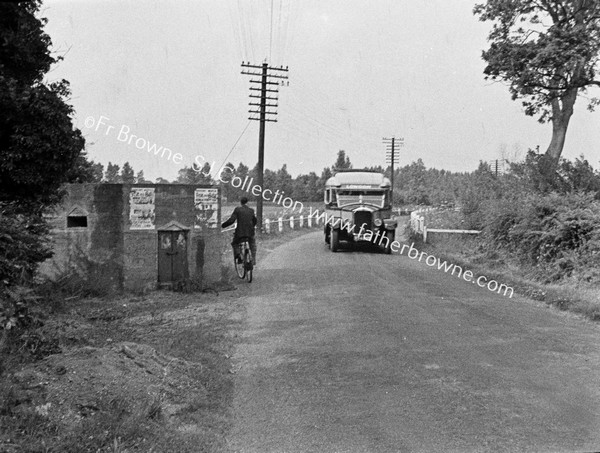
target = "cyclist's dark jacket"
x: 246, y: 221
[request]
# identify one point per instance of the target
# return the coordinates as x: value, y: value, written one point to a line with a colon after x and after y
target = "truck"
x: 358, y: 209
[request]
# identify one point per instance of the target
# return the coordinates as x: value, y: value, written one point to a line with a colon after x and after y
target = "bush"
x: 23, y: 245
x: 14, y: 308
x: 480, y: 188
x: 557, y: 234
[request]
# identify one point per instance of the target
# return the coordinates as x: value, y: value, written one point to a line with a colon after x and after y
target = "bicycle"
x: 243, y: 262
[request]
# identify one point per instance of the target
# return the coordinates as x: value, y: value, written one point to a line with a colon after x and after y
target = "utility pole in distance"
x: 495, y: 166
x: 391, y: 158
x: 267, y: 99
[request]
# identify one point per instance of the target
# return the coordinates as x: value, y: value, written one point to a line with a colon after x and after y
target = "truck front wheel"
x: 335, y: 240
x: 390, y: 235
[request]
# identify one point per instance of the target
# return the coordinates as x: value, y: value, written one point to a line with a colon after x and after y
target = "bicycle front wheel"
x: 240, y: 267
x: 248, y: 265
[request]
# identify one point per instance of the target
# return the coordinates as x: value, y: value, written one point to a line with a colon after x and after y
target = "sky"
x: 169, y: 72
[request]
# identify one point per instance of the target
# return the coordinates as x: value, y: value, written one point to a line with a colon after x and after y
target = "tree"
x: 112, y: 174
x: 38, y: 144
x: 547, y: 52
x: 325, y: 175
x: 85, y: 170
x: 127, y: 174
x: 414, y: 188
x: 190, y: 175
x: 224, y: 180
x: 342, y: 162
x: 577, y: 176
x: 580, y: 176
x: 242, y: 171
x: 39, y: 148
x: 479, y: 188
x: 283, y: 182
x: 306, y: 188
x: 139, y: 179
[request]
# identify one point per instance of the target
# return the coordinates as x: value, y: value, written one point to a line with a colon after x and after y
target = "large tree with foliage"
x: 38, y: 144
x: 39, y: 147
x: 547, y: 52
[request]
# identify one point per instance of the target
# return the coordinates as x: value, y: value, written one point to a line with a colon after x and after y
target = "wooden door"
x: 172, y: 256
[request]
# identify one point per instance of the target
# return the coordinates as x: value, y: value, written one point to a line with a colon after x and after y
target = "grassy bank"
x: 471, y: 253
x: 144, y: 373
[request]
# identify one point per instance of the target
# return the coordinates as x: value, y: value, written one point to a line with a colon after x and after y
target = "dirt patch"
x: 135, y: 374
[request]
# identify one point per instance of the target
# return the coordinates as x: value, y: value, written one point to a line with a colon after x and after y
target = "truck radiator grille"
x: 361, y: 217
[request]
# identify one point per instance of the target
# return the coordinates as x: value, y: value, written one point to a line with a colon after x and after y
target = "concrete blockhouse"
x: 137, y: 236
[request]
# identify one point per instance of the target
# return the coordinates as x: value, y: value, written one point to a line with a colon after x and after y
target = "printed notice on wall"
x: 206, y: 202
x: 141, y: 208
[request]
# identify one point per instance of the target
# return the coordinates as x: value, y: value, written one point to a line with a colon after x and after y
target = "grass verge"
x: 148, y: 373
x: 468, y: 252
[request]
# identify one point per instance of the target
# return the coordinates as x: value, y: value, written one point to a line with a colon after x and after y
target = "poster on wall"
x: 141, y: 208
x: 206, y: 203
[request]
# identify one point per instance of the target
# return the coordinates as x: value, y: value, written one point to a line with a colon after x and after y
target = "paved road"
x: 364, y: 352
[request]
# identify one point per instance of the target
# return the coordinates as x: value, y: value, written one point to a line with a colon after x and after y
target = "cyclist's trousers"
x: 237, y: 248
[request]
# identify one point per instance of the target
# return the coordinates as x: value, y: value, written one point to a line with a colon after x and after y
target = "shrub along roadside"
x: 473, y: 254
x: 540, y: 230
x: 556, y: 235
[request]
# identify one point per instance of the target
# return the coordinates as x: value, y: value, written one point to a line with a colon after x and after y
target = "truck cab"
x: 358, y: 208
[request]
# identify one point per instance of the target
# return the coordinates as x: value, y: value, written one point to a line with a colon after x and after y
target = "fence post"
x: 267, y: 226
x: 280, y: 220
x: 309, y: 221
x: 424, y: 234
x: 292, y: 222
x: 301, y: 221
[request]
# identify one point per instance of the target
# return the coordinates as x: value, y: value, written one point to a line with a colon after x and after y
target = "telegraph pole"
x: 267, y: 99
x: 495, y: 166
x: 392, y: 158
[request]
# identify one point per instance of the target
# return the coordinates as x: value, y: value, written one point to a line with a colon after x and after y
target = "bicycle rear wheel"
x: 240, y: 268
x: 248, y: 265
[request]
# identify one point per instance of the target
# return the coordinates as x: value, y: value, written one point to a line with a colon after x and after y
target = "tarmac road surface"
x: 366, y: 352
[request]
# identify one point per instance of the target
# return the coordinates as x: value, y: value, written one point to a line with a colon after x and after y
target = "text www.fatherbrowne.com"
x: 468, y: 276
x: 414, y: 254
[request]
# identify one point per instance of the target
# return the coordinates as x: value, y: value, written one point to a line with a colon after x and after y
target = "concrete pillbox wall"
x: 93, y: 234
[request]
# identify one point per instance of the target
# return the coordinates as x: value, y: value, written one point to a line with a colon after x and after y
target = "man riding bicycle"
x: 246, y: 221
